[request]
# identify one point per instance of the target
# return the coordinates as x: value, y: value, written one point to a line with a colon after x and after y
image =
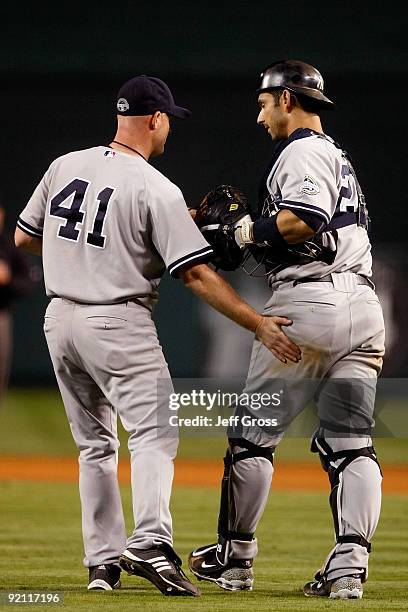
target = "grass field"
x: 41, y: 546
x: 35, y: 422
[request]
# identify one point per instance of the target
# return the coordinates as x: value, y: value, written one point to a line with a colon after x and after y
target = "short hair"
x: 310, y: 105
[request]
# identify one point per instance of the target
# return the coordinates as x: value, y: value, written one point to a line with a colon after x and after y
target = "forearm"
x: 34, y: 247
x: 280, y: 230
x: 211, y: 287
x: 5, y: 273
x: 28, y: 243
x: 291, y: 229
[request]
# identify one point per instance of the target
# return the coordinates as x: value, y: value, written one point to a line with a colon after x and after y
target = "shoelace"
x: 174, y: 558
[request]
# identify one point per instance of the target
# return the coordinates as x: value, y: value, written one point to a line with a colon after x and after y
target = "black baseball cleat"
x: 162, y: 566
x: 234, y: 575
x: 346, y: 587
x: 104, y: 577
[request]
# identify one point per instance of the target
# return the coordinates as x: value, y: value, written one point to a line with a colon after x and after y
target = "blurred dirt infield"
x: 190, y: 473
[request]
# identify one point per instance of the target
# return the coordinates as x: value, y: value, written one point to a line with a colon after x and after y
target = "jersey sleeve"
x: 31, y: 220
x: 175, y: 235
x: 309, y: 184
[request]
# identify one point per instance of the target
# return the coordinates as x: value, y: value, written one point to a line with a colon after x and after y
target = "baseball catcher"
x: 310, y: 237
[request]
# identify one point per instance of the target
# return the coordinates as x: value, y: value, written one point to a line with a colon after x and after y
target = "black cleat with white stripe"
x: 104, y: 577
x: 161, y: 566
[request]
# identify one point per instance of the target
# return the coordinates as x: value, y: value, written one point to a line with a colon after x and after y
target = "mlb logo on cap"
x: 144, y: 95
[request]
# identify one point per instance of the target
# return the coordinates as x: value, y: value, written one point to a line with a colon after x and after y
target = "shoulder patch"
x: 310, y: 185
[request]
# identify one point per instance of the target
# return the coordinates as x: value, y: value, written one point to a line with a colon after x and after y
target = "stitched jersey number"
x: 345, y: 192
x: 73, y: 214
x: 95, y: 237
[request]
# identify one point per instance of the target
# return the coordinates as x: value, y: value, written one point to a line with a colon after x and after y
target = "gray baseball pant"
x: 107, y: 361
x: 339, y: 327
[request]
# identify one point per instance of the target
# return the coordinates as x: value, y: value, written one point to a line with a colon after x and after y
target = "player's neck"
x: 115, y: 144
x: 305, y: 120
x: 131, y: 146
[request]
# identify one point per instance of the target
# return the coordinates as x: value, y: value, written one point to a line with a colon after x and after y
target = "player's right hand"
x: 269, y: 332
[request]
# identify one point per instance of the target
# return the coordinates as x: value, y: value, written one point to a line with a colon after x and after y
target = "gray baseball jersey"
x: 111, y: 223
x: 312, y: 176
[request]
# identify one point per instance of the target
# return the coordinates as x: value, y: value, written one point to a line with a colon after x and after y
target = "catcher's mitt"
x: 216, y: 217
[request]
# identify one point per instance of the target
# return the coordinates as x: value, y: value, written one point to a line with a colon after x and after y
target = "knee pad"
x: 328, y: 457
x: 251, y: 450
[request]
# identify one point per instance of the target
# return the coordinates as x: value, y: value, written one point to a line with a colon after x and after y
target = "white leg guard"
x: 355, y: 501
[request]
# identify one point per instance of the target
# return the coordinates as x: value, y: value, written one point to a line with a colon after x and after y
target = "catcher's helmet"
x: 297, y: 76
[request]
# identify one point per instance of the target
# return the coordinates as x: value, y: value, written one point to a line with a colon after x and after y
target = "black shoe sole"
x: 309, y: 593
x: 144, y: 570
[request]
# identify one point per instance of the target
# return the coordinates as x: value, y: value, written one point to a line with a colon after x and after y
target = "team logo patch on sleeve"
x: 310, y: 185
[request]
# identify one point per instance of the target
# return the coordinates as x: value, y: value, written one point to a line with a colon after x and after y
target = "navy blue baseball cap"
x: 144, y: 95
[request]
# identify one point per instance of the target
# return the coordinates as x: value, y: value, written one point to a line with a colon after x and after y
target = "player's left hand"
x: 244, y: 232
x: 269, y: 332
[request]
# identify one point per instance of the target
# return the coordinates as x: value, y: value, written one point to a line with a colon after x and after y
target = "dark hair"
x: 307, y: 104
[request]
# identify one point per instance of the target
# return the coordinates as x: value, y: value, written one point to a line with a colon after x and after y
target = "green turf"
x: 32, y: 421
x: 41, y: 548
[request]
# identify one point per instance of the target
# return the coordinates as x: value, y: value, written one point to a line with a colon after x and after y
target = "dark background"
x: 61, y: 69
